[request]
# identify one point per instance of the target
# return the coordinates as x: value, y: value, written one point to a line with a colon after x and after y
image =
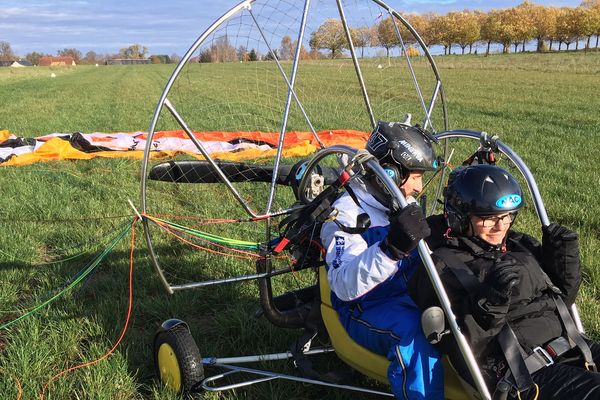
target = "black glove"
x: 560, y: 259
x: 407, y: 227
x: 500, y: 281
x: 555, y: 235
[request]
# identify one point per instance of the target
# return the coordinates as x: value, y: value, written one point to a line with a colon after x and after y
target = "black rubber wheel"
x: 177, y: 360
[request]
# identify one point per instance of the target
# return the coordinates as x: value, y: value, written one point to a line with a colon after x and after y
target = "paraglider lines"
x: 80, y: 276
x: 127, y: 318
x: 238, y: 246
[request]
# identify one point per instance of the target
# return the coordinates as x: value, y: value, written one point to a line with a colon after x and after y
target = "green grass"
x: 543, y: 106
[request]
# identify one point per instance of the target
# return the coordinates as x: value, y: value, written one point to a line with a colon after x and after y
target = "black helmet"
x: 401, y: 144
x: 479, y: 190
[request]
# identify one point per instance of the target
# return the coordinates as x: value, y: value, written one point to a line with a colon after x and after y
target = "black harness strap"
x: 304, y: 218
x: 363, y: 222
x: 509, y: 344
x: 513, y: 352
x: 465, y: 276
x: 309, y: 217
x: 567, y: 321
x: 352, y: 194
x: 574, y: 333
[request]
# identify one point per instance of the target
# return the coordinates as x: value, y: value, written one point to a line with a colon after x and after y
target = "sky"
x: 165, y: 27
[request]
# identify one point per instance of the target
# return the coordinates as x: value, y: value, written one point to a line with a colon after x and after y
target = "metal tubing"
x: 577, y: 318
x: 221, y: 388
x: 425, y: 50
x: 425, y: 254
x: 427, y: 120
x: 206, y: 155
x: 515, y: 159
x: 356, y: 65
x: 243, y: 5
x: 264, y: 357
x: 410, y: 67
x: 287, y: 106
x: 274, y: 375
x: 274, y: 54
x: 531, y: 184
x: 163, y: 97
x: 155, y: 263
x: 440, y: 185
x: 343, y: 149
x: 242, y: 278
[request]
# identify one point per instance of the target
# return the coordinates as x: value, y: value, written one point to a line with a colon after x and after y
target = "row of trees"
x: 135, y: 51
x: 514, y: 26
x: 511, y: 26
x: 221, y: 50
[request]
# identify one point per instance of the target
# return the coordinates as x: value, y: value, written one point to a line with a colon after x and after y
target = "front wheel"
x: 177, y: 360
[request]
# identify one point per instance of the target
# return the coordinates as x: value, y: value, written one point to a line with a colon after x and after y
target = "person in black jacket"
x: 510, y: 293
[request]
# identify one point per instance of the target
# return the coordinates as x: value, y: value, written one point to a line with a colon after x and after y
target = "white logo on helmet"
x: 376, y: 140
x: 410, y: 151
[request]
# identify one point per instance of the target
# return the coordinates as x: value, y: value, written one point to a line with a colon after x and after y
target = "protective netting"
x: 238, y: 79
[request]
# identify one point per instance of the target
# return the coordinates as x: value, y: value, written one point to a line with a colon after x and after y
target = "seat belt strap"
x: 514, y: 358
x: 574, y: 334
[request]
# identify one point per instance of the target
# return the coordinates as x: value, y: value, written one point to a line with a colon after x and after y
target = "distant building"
x: 15, y: 64
x: 128, y: 61
x: 50, y: 61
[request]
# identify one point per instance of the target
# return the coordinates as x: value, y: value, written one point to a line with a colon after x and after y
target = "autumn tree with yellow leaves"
x: 544, y: 24
x: 362, y: 37
x: 590, y: 23
x: 386, y: 35
x: 443, y: 27
x: 594, y: 5
x: 466, y: 29
x: 567, y: 31
x: 428, y: 28
x: 330, y: 36
x: 497, y: 29
x: 521, y: 24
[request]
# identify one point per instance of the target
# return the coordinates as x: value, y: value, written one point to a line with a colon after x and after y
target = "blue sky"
x: 165, y: 27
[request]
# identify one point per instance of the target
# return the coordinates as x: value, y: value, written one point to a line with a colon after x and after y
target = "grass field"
x: 544, y: 106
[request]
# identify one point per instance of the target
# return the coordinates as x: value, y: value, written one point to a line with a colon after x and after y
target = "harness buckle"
x: 591, y: 366
x: 546, y: 358
x: 557, y: 347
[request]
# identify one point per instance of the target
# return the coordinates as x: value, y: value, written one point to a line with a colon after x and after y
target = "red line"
x: 17, y: 383
x: 168, y: 230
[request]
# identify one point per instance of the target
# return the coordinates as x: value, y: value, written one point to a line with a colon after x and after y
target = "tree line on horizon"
x: 133, y: 52
x: 551, y: 27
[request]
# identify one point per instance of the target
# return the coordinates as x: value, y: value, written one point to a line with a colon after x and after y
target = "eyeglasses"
x: 491, y: 220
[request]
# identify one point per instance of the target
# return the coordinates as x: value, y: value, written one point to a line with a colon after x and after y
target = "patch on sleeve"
x: 340, y: 244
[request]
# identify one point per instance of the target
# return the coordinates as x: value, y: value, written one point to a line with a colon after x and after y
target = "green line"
x: 79, y: 277
x: 240, y: 244
x: 72, y: 257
